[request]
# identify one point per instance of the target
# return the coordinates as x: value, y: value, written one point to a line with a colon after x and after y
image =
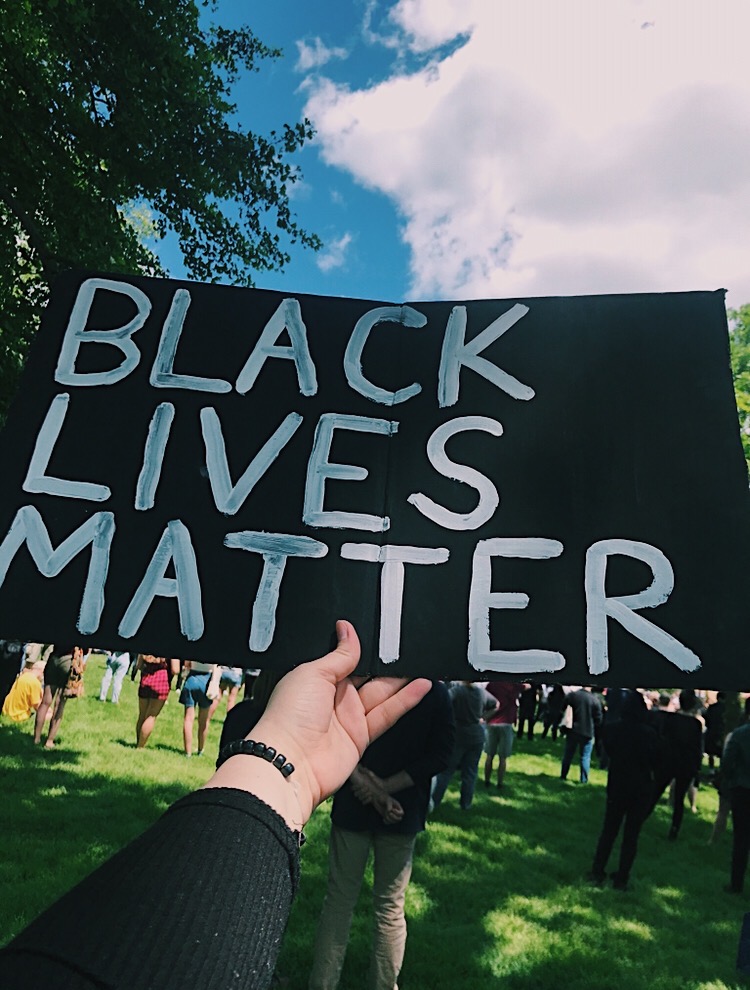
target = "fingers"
x: 396, y: 700
x: 379, y: 689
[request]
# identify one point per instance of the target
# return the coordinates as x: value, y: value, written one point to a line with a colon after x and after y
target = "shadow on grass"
x: 71, y: 821
x: 498, y: 898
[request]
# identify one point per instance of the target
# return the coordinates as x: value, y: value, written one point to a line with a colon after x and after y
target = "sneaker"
x: 597, y: 879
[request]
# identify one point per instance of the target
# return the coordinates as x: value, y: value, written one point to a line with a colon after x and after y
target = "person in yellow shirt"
x: 24, y: 697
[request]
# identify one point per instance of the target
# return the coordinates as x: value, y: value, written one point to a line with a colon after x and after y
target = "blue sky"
x: 510, y: 148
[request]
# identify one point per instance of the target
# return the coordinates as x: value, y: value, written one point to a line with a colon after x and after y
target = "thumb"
x: 339, y: 663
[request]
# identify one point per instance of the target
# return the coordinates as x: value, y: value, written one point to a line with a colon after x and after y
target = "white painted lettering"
x: 37, y: 480
x: 393, y: 559
x: 488, y: 496
x: 482, y: 599
x: 153, y: 455
x: 404, y: 315
x: 599, y: 607
x: 319, y: 470
x: 98, y: 530
x: 162, y: 373
x: 175, y: 547
x: 275, y: 549
x: 230, y: 498
x: 77, y: 334
x: 287, y: 317
x: 457, y: 354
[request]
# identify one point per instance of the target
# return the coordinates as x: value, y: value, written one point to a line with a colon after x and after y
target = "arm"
x: 216, y: 918
x: 398, y: 782
x: 369, y: 789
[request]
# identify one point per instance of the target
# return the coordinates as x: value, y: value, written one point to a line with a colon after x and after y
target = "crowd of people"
x: 316, y: 731
x: 646, y: 740
x: 37, y: 679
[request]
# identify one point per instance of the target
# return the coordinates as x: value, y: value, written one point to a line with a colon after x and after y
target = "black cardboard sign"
x: 549, y: 488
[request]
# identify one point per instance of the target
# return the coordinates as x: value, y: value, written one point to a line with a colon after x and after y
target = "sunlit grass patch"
x: 498, y: 897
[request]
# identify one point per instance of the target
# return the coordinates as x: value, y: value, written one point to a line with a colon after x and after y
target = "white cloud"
x: 315, y: 54
x: 334, y: 254
x: 562, y: 149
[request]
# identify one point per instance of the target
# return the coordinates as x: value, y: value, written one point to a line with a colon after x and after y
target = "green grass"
x: 496, y: 899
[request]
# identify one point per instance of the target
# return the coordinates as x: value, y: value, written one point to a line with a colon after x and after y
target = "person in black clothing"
x: 633, y: 749
x: 527, y: 710
x: 715, y: 717
x: 554, y: 711
x: 216, y: 922
x: 11, y: 665
x: 681, y: 752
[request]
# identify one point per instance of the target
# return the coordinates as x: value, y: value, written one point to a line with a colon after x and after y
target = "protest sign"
x: 550, y: 488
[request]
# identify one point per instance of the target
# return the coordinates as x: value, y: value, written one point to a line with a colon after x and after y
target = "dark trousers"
x: 740, y: 798
x: 682, y: 780
x: 523, y: 720
x: 634, y: 809
x: 465, y: 757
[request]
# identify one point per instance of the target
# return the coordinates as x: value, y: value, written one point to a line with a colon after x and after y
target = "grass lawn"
x: 496, y: 898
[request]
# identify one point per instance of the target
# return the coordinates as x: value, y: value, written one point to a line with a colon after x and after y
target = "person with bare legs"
x: 153, y: 692
x: 231, y: 680
x: 499, y: 740
x: 194, y: 694
x: 56, y: 673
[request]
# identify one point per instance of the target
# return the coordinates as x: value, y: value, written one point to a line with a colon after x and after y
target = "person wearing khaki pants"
x: 381, y: 808
x: 348, y: 855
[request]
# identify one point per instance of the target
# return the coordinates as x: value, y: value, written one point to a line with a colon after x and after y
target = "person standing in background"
x: 735, y: 769
x: 56, y: 674
x: 587, y: 715
x: 153, y: 691
x: 470, y: 702
x: 114, y: 674
x: 527, y: 710
x: 382, y: 807
x: 632, y: 745
x: 499, y: 740
x: 195, y: 693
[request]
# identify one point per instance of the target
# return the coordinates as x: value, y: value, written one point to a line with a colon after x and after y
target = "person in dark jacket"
x: 527, y: 710
x: 714, y: 717
x: 381, y: 808
x: 554, y: 711
x: 681, y: 753
x: 735, y: 769
x: 471, y: 703
x: 587, y: 715
x: 632, y: 745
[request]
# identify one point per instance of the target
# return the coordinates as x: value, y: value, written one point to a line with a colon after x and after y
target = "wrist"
x: 273, y: 733
x: 258, y: 777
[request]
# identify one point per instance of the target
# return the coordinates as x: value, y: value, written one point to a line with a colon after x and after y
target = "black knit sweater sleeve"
x: 201, y: 900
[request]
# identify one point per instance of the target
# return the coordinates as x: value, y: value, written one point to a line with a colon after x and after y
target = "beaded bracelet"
x: 248, y: 747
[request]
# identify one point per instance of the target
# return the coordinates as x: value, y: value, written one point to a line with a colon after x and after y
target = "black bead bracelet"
x: 248, y: 747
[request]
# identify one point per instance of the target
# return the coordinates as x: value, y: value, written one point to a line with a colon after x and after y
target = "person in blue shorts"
x: 194, y: 694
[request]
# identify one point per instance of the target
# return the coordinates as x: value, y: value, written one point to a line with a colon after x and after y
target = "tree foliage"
x: 116, y: 113
x: 739, y: 343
